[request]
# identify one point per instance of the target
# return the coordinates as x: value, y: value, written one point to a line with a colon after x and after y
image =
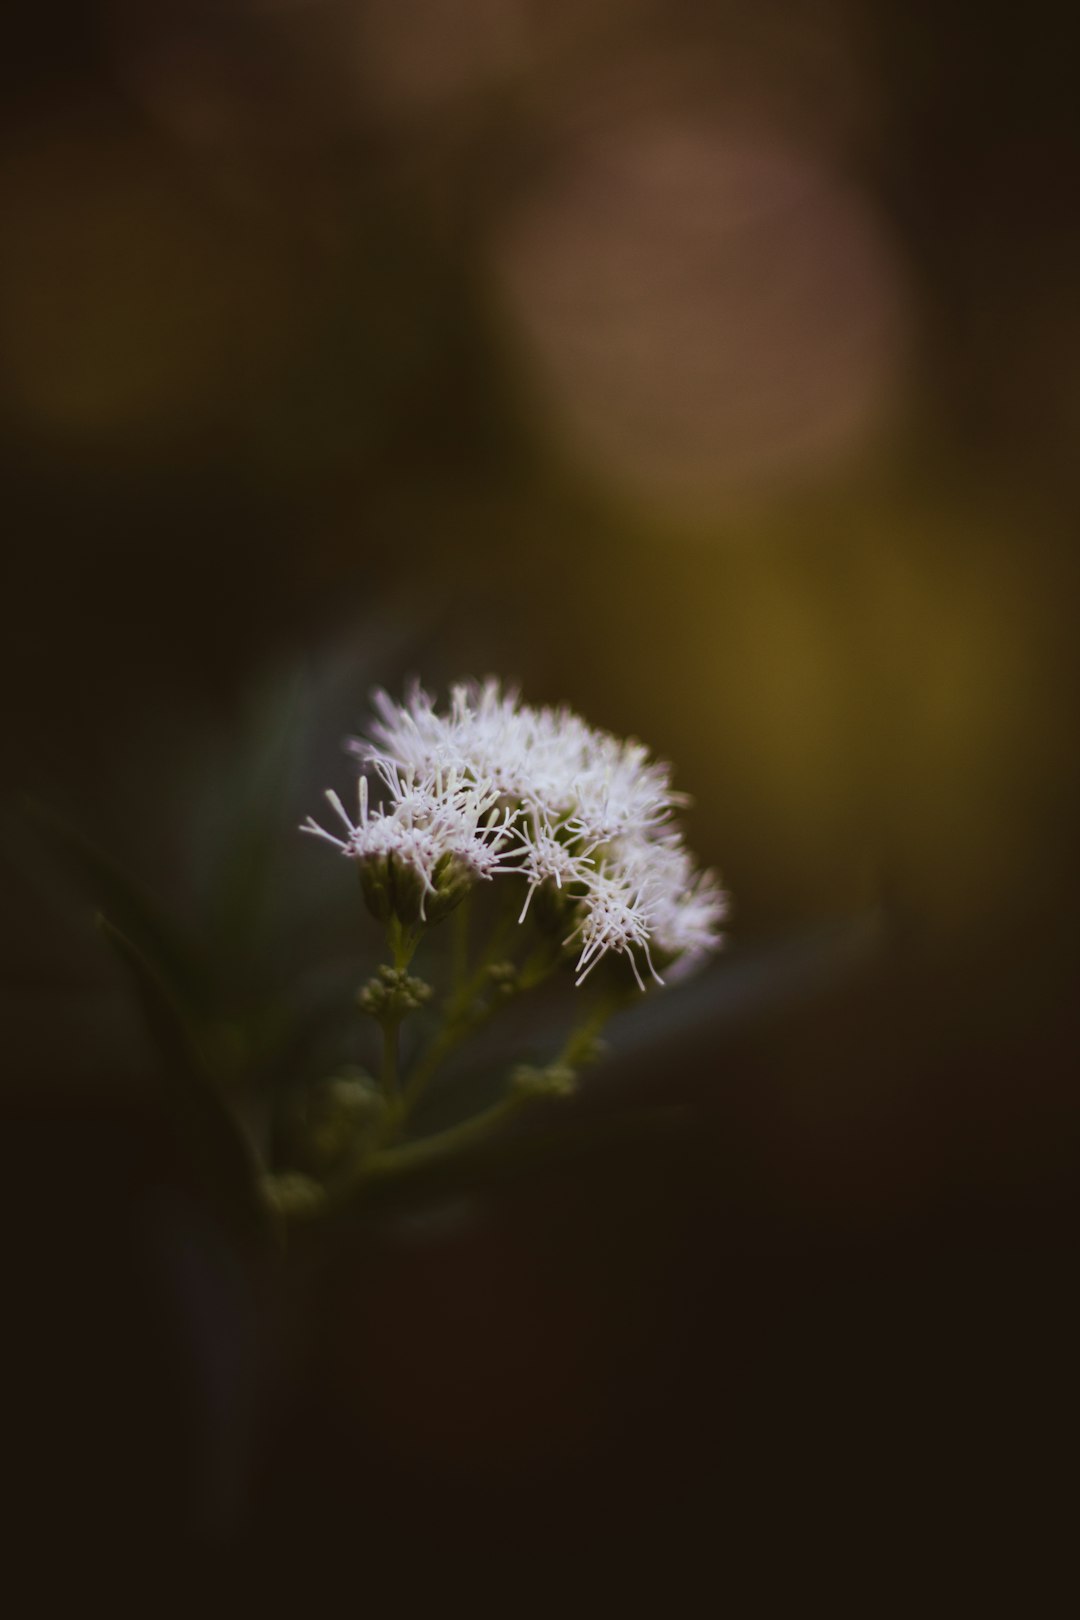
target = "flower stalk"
x: 577, y: 832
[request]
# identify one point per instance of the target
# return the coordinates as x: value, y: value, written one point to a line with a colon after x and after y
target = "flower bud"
x: 554, y: 1080
x: 374, y: 874
x: 392, y: 993
x: 504, y: 979
x: 332, y: 1119
x: 453, y: 878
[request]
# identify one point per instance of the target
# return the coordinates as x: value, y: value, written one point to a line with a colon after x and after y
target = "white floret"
x: 376, y: 835
x: 537, y: 794
x: 687, y: 927
x: 547, y: 858
x: 613, y: 919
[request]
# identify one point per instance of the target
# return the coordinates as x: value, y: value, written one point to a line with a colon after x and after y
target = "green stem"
x: 389, y: 1156
x: 577, y: 1044
x: 457, y: 1023
x: 403, y: 942
x: 443, y: 1145
x: 460, y: 1021
x: 390, y: 1084
x: 460, y: 944
x: 387, y: 1161
x: 540, y: 965
x: 446, y: 1040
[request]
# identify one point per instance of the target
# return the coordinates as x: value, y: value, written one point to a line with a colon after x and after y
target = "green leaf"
x: 248, y: 827
x: 176, y: 959
x: 222, y: 1152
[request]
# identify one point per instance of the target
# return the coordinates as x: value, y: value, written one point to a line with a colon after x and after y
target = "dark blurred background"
x: 714, y: 368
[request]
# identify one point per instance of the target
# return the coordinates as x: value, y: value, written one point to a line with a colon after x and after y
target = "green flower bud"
x: 453, y: 878
x: 504, y: 978
x: 392, y: 993
x: 554, y: 1080
x: 330, y: 1120
x: 375, y: 884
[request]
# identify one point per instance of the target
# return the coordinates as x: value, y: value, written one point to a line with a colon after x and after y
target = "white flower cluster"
x: 494, y: 787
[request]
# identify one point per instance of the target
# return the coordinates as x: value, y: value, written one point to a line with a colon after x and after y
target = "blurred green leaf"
x: 177, y: 960
x: 221, y: 1149
x: 248, y: 808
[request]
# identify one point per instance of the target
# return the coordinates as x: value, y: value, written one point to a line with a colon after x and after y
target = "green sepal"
x: 376, y: 886
x: 453, y: 879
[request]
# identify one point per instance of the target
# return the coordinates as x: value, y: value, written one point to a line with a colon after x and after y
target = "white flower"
x: 493, y: 787
x: 548, y: 858
x: 439, y: 836
x: 613, y: 919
